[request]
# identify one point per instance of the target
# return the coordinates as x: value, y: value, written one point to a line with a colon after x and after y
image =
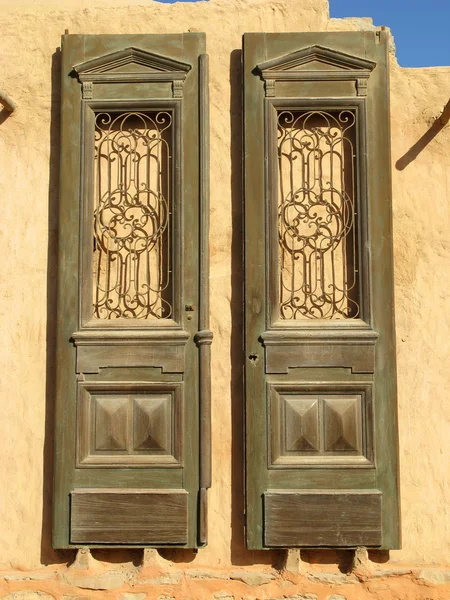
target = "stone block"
x: 391, y: 572
x: 167, y: 579
x: 298, y: 597
x: 27, y: 595
x: 223, y: 595
x: 104, y: 581
x: 30, y: 575
x: 84, y: 561
x: 293, y: 561
x: 152, y: 558
x: 252, y: 578
x: 437, y: 576
x: 332, y: 578
x: 205, y: 574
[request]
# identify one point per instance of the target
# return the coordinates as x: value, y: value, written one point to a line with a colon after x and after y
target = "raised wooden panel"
x: 343, y: 346
x: 130, y: 424
x: 301, y: 422
x: 110, y: 414
x: 322, y: 425
x: 167, y: 354
x: 116, y: 516
x: 152, y: 423
x: 342, y: 424
x: 315, y: 518
x: 333, y: 89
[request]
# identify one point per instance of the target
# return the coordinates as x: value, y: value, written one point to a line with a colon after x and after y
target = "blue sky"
x: 421, y: 29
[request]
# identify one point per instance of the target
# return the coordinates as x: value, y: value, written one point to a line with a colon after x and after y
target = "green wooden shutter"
x: 132, y: 460
x: 321, y: 437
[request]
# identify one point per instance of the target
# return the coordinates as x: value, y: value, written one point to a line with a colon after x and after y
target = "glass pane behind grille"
x: 317, y: 227
x: 132, y: 271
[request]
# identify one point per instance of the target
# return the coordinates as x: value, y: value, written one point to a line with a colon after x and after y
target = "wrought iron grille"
x: 317, y: 213
x: 132, y: 271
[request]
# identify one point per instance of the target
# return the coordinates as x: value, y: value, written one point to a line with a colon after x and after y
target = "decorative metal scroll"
x: 132, y: 272
x: 317, y: 233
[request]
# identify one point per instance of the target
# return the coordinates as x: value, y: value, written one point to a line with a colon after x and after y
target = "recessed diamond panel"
x: 320, y: 427
x: 110, y: 423
x: 342, y: 429
x: 152, y: 423
x: 302, y: 424
x: 130, y: 425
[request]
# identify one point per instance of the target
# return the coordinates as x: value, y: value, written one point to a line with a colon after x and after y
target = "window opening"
x: 132, y: 262
x: 317, y: 214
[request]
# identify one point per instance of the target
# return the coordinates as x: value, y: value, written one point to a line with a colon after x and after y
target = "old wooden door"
x: 321, y: 424
x: 132, y: 413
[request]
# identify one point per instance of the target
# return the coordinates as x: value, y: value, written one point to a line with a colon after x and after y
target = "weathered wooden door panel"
x: 321, y: 440
x: 132, y: 466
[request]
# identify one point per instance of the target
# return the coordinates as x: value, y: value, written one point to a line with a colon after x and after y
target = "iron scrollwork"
x: 132, y: 215
x: 317, y: 232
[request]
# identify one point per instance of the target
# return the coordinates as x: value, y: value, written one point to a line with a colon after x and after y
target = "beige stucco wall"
x: 29, y: 60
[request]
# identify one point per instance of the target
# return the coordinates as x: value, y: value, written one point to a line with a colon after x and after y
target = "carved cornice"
x: 132, y: 65
x: 315, y: 63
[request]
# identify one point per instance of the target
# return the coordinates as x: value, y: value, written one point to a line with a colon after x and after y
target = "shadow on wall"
x: 427, y: 137
x: 4, y: 114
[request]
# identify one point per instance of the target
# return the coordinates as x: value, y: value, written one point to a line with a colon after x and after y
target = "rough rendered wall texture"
x: 29, y: 149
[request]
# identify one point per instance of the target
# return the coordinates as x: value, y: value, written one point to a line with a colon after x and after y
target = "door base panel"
x: 318, y: 518
x: 124, y: 516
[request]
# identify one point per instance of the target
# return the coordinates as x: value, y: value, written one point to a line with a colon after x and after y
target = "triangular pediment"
x: 130, y: 62
x: 314, y: 59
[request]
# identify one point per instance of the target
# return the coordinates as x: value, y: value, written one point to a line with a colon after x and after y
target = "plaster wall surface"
x: 29, y: 162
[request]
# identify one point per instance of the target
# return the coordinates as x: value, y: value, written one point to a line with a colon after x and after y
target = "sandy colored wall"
x: 29, y: 149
